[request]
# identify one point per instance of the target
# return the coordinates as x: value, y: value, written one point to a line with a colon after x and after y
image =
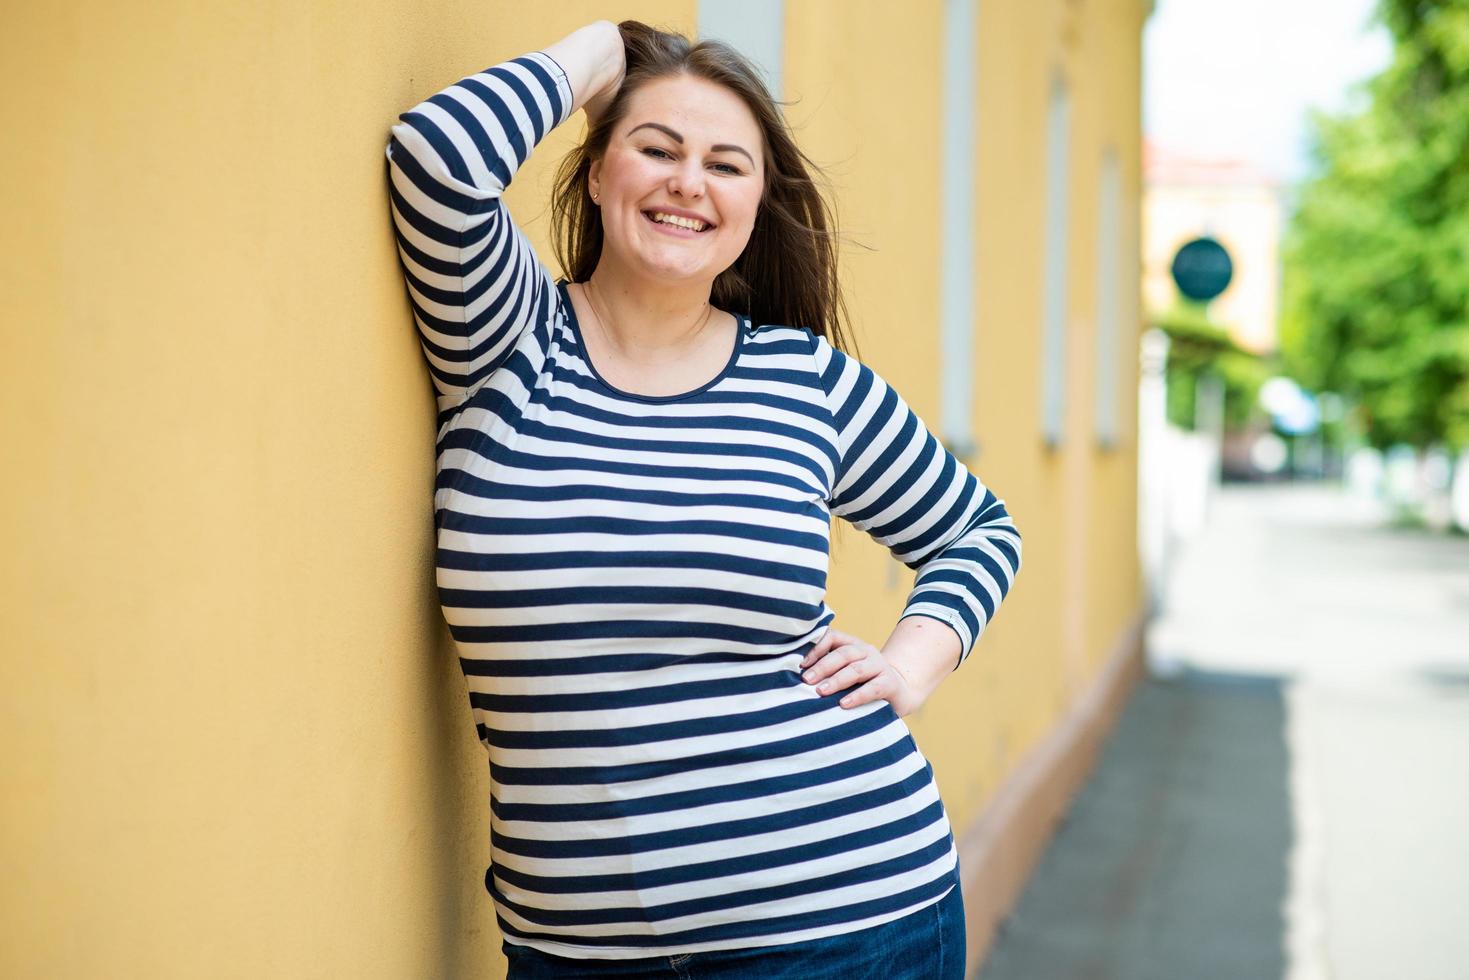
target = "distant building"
x: 1237, y: 204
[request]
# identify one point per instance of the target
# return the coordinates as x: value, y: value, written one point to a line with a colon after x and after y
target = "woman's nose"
x: 688, y: 179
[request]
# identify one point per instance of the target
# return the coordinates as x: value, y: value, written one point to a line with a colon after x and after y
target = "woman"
x: 693, y: 774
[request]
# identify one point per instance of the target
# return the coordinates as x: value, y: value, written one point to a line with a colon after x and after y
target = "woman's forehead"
x: 695, y: 108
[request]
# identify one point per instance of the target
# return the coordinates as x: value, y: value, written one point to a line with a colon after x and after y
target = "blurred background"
x: 1287, y: 792
x: 1185, y: 283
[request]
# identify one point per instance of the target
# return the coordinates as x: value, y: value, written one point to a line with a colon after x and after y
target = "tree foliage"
x: 1376, y: 291
x: 1199, y: 346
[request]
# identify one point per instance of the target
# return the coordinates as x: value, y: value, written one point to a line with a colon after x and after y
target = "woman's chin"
x: 675, y: 272
x: 672, y: 266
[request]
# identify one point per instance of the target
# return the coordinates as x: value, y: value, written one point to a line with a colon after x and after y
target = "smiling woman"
x: 637, y: 470
x: 683, y: 175
x: 697, y: 117
x: 677, y: 207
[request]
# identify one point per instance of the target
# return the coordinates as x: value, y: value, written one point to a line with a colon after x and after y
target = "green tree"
x: 1376, y: 289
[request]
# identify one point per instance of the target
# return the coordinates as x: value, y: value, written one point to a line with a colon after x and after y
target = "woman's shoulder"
x: 785, y: 333
x: 790, y: 341
x: 797, y: 350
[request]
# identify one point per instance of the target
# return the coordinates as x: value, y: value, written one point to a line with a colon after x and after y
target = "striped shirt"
x: 631, y: 582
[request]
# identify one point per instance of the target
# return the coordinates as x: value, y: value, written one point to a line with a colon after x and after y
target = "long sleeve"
x: 895, y: 481
x: 474, y: 281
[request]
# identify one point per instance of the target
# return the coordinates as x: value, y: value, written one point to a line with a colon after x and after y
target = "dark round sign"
x: 1202, y: 269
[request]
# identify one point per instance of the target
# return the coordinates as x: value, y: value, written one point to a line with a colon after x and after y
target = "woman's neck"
x: 647, y: 316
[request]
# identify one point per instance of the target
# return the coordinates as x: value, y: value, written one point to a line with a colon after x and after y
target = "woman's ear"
x: 594, y: 181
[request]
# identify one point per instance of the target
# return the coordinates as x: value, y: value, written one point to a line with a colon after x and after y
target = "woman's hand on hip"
x: 840, y: 660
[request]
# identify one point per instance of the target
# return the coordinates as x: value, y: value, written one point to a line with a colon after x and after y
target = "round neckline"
x: 742, y: 324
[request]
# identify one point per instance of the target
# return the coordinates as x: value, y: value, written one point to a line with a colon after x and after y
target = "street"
x: 1287, y: 794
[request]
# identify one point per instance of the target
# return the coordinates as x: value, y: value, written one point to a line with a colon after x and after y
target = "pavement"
x: 1286, y: 795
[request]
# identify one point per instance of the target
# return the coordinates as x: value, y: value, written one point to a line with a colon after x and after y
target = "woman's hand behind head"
x: 594, y: 58
x: 613, y: 72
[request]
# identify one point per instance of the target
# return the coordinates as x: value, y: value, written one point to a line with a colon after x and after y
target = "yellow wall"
x: 869, y: 108
x: 238, y: 743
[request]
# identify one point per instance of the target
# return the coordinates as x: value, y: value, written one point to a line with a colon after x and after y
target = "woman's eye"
x: 658, y: 154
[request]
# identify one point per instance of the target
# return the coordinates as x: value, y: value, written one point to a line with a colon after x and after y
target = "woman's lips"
x: 676, y: 230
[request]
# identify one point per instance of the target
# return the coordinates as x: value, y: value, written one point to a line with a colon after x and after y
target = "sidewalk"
x: 1171, y: 863
x: 1286, y: 797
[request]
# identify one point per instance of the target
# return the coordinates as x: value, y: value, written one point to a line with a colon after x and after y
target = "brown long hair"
x: 787, y: 273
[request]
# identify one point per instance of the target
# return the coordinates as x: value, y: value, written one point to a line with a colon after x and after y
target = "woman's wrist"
x: 919, y: 654
x: 925, y: 651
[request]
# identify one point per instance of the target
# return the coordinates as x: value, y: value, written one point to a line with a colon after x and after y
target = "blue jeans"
x: 923, y: 945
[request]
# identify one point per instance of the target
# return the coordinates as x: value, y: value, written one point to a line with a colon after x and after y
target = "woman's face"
x: 686, y: 146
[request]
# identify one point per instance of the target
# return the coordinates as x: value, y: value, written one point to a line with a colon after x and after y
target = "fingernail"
x: 823, y: 688
x: 806, y: 676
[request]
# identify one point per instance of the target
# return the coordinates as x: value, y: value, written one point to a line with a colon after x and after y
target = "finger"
x: 832, y: 662
x: 879, y: 688
x: 821, y: 646
x: 827, y: 664
x: 816, y: 649
x: 829, y: 639
x: 856, y: 672
x: 829, y: 642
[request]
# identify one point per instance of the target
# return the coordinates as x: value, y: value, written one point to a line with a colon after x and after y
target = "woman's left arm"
x: 897, y: 482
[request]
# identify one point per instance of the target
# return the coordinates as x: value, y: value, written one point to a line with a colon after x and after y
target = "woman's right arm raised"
x: 473, y: 279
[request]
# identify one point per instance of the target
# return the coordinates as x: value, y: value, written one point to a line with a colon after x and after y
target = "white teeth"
x: 682, y: 222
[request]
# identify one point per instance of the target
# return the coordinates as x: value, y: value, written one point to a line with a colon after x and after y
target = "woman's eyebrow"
x: 677, y: 138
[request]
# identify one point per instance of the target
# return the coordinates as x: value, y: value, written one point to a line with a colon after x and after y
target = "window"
x: 1057, y: 233
x: 958, y: 271
x: 756, y: 29
x: 1112, y: 264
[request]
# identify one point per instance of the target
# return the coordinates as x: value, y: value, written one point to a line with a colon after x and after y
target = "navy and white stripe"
x: 632, y: 581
